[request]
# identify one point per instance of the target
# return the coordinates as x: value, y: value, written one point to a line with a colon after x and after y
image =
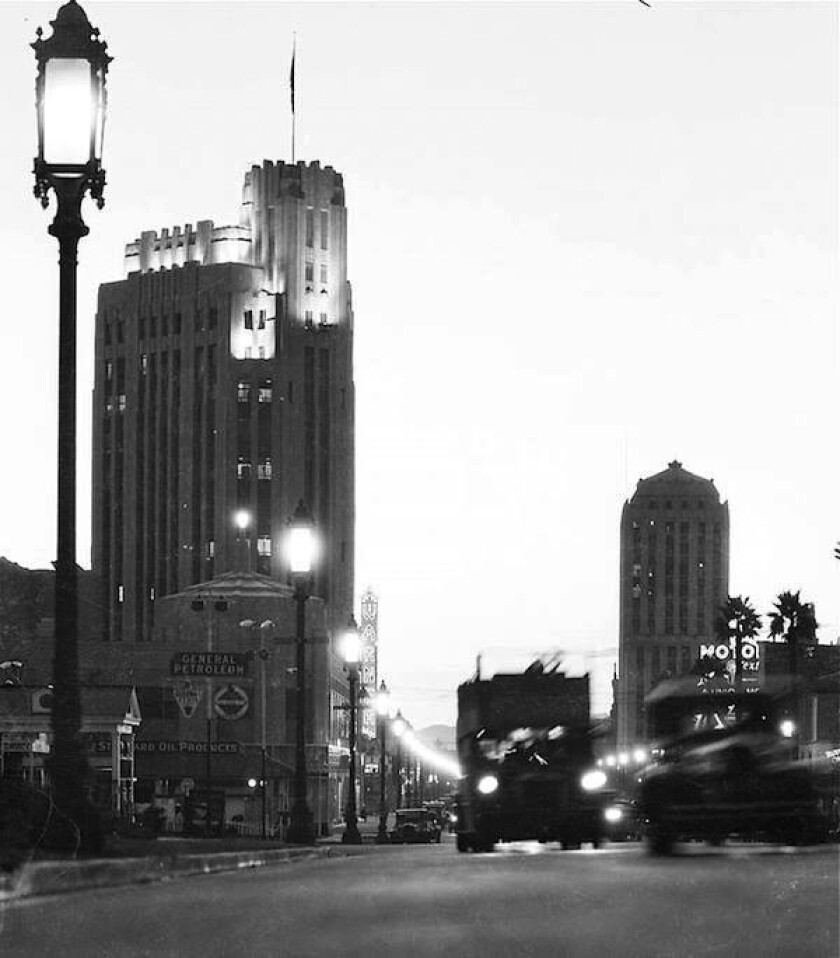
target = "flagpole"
x: 292, y: 91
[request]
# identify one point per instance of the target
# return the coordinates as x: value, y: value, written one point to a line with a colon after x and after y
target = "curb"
x: 51, y: 878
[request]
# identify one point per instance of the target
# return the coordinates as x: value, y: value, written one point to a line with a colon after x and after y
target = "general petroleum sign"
x: 210, y: 664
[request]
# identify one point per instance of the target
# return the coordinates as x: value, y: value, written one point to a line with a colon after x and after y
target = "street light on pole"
x: 301, y: 544
x: 382, y: 706
x: 70, y: 105
x: 352, y: 650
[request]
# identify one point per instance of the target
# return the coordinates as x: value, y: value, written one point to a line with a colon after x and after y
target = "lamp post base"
x: 301, y: 826
x: 382, y: 831
x: 351, y: 834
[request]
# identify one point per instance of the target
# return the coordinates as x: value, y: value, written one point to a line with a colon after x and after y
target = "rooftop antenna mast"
x: 292, y: 91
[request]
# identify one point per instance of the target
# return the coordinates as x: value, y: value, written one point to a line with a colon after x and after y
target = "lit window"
x: 144, y: 364
x: 264, y: 469
x: 264, y: 546
x: 265, y: 391
x: 243, y: 468
x: 120, y: 594
x: 109, y: 370
x: 121, y: 402
x: 243, y: 392
x: 211, y: 548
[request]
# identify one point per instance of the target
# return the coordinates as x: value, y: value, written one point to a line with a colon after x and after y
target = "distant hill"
x: 438, y: 736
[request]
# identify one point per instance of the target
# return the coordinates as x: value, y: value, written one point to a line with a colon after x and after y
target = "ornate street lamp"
x: 301, y: 551
x: 351, y: 651
x: 382, y: 707
x: 70, y: 105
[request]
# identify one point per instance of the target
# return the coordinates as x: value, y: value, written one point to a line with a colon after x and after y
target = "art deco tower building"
x: 224, y: 382
x: 674, y: 578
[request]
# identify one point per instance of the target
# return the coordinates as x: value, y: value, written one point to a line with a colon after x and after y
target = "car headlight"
x: 593, y: 780
x: 487, y: 784
x: 612, y: 814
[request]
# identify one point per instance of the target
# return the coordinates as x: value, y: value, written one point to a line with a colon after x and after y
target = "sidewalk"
x: 133, y: 860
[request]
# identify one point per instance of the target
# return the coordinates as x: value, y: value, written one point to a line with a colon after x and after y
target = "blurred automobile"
x: 415, y: 826
x: 712, y: 785
x: 622, y: 822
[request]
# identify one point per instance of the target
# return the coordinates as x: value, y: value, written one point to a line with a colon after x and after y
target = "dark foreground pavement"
x: 523, y: 900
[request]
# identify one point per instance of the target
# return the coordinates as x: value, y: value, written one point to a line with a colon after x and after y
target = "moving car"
x: 740, y: 782
x: 415, y: 826
x: 622, y: 822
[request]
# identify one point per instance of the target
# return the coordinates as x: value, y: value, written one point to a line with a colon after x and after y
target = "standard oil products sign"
x: 223, y: 665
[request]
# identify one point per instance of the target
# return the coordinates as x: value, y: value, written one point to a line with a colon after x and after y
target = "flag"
x: 292, y: 77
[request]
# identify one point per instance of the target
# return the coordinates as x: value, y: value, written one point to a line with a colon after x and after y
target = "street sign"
x: 231, y: 702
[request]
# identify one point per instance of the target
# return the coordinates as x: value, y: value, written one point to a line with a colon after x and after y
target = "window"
x: 141, y: 327
x: 153, y: 326
x: 249, y: 319
x: 243, y: 392
x: 309, y: 272
x: 249, y: 352
x: 212, y: 317
x: 176, y: 324
x: 211, y: 548
x: 144, y: 363
x: 261, y: 352
x: 121, y: 402
x: 264, y: 469
x: 109, y: 370
x: 310, y: 227
x: 264, y: 545
x: 164, y: 324
x: 243, y: 468
x: 323, y: 272
x: 261, y: 322
x: 324, y: 319
x: 264, y: 393
x: 325, y: 226
x: 307, y: 317
x: 120, y: 594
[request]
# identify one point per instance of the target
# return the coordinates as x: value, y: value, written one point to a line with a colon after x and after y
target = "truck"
x: 527, y: 766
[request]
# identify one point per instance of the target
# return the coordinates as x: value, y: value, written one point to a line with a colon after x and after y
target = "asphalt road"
x: 522, y: 900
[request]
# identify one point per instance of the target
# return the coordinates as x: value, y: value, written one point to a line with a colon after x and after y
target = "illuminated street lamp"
x: 70, y: 105
x: 382, y: 706
x: 301, y: 552
x: 352, y: 647
x: 242, y: 520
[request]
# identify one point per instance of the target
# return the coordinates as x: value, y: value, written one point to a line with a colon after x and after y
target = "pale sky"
x: 585, y: 239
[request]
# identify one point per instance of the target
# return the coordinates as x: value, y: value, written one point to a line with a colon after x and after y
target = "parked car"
x: 415, y: 826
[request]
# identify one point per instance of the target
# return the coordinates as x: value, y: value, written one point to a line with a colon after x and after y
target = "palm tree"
x: 737, y: 619
x: 793, y: 621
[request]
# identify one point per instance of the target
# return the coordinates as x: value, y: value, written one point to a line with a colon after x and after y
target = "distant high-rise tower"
x: 674, y: 578
x: 224, y: 382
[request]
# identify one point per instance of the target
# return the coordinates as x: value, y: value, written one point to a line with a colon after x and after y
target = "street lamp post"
x: 352, y: 648
x: 70, y: 105
x: 263, y: 654
x: 382, y: 706
x: 398, y: 728
x: 301, y: 553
